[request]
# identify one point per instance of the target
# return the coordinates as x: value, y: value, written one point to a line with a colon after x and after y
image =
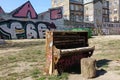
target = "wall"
x: 98, y: 14
x: 114, y: 5
x: 65, y: 5
x: 89, y: 12
x: 58, y: 17
x: 108, y: 28
x: 16, y: 29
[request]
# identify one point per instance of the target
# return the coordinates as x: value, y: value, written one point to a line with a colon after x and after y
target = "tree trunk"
x: 88, y: 67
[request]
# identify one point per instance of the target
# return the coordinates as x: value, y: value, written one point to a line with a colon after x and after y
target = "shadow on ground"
x: 103, y: 63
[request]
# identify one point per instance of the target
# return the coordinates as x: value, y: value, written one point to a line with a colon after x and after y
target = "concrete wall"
x: 45, y: 16
x: 89, y: 12
x: 15, y: 29
x: 98, y: 14
x: 108, y: 28
x: 65, y: 5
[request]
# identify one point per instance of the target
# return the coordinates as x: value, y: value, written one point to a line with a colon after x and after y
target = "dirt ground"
x: 112, y: 70
x: 103, y: 74
x: 107, y: 55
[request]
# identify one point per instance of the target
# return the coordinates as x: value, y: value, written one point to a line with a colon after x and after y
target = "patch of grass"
x: 64, y: 76
x: 22, y: 43
x: 12, y: 58
x: 32, y: 51
x: 42, y: 78
x: 35, y: 73
x: 8, y: 78
x: 29, y: 54
x: 13, y: 74
x: 1, y: 60
x: 7, y: 66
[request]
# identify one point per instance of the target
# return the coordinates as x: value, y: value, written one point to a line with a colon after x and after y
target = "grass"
x: 64, y: 76
x: 29, y: 57
x: 33, y: 51
x: 35, y: 73
x: 106, y: 47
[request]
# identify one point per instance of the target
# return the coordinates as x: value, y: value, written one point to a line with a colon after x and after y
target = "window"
x: 76, y: 7
x: 110, y: 12
x: 86, y: 18
x: 110, y: 19
x: 65, y: 17
x: 115, y: 2
x: 105, y: 11
x: 110, y: 3
x: 90, y: 18
x: 71, y: 7
x: 77, y: 17
x: 115, y: 18
x: 81, y: 18
x: 81, y: 8
x: 115, y: 11
x: 72, y: 17
x: 105, y: 19
x: 105, y: 4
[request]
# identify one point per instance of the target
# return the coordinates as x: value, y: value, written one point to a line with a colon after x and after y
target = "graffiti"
x: 25, y: 11
x: 56, y: 13
x: 14, y: 29
x: 1, y: 10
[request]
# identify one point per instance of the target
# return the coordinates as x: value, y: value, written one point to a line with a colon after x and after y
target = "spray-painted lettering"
x: 13, y: 29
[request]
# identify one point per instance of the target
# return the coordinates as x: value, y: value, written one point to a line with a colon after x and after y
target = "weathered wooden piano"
x: 65, y: 49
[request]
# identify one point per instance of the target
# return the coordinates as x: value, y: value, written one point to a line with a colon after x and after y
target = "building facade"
x: 72, y: 9
x: 94, y: 9
x: 83, y: 13
x: 106, y: 11
x: 114, y: 6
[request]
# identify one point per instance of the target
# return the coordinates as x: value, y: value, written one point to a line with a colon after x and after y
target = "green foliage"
x: 35, y: 73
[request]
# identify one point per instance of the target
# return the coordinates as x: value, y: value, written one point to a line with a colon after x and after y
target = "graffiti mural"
x: 1, y: 10
x: 15, y: 29
x: 25, y: 11
x: 56, y: 13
